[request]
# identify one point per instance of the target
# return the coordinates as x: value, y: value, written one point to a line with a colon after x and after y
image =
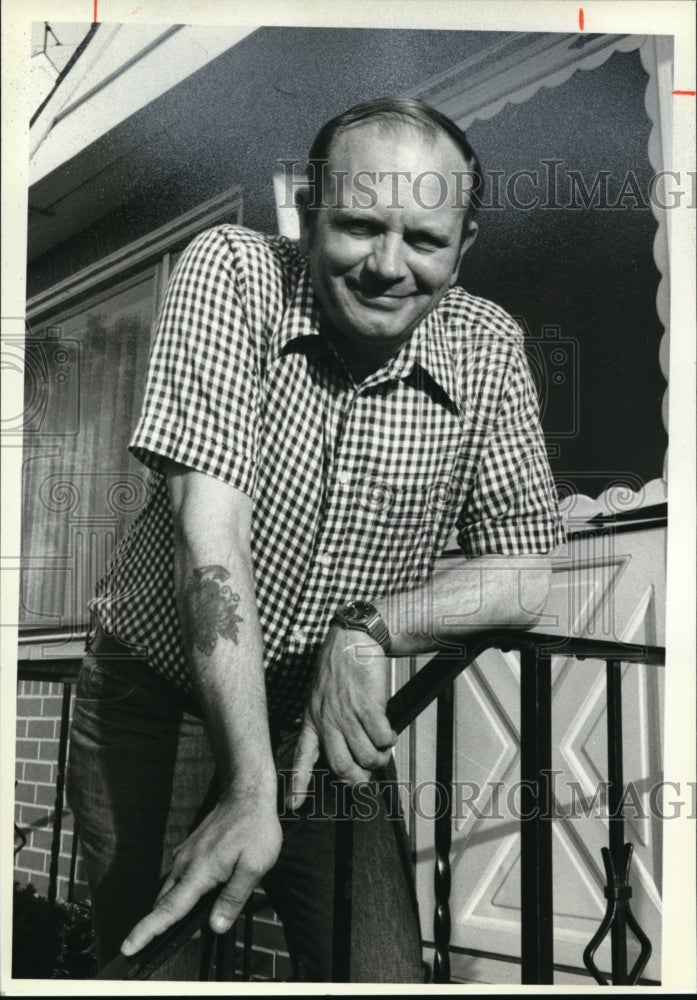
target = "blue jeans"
x: 141, y: 776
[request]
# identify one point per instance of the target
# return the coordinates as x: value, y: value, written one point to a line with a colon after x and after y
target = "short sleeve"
x: 201, y: 406
x: 512, y: 508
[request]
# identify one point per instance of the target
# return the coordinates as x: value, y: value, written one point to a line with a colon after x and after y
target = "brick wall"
x: 270, y: 959
x: 36, y: 765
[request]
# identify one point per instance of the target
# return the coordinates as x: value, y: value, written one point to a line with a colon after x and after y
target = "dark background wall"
x: 588, y: 274
x: 582, y: 280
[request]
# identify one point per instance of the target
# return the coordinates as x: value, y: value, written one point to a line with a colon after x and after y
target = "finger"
x: 167, y: 886
x: 166, y: 911
x: 378, y: 728
x: 179, y: 865
x: 232, y: 898
x: 360, y: 747
x: 378, y: 759
x: 342, y: 761
x: 304, y: 760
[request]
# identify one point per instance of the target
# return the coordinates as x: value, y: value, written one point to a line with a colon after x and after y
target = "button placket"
x: 336, y: 502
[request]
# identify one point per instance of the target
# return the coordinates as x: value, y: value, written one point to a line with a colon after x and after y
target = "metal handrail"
x: 414, y: 696
x: 434, y: 681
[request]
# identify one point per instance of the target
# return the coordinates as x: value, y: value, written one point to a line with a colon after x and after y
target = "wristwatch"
x: 365, y: 617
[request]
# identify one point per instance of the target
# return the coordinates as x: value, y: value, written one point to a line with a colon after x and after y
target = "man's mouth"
x: 376, y: 296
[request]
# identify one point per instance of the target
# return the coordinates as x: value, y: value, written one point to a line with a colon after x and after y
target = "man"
x: 320, y: 419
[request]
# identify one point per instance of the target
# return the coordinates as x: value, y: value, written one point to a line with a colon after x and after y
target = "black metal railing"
x: 435, y: 681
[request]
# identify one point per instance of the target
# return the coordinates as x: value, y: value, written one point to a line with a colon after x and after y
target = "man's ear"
x: 303, y: 197
x: 472, y: 230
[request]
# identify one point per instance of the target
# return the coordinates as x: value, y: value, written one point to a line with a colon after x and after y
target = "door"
x: 604, y: 586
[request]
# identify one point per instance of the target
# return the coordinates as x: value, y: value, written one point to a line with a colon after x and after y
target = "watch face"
x: 358, y: 611
x: 364, y: 616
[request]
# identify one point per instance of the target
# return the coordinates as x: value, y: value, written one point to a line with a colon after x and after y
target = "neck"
x: 361, y: 360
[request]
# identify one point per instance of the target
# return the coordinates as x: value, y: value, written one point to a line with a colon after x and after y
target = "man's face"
x: 381, y: 258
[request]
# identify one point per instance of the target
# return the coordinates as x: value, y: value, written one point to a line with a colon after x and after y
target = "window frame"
x: 156, y: 248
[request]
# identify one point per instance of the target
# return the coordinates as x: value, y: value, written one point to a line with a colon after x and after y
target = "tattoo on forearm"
x: 210, y: 608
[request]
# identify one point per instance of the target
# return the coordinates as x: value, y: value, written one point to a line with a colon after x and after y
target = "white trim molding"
x: 512, y: 70
x: 124, y: 68
x: 657, y: 59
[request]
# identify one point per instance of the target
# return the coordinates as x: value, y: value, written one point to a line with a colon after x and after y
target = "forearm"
x: 239, y: 840
x: 346, y: 709
x: 220, y: 627
x: 483, y: 593
x: 214, y: 584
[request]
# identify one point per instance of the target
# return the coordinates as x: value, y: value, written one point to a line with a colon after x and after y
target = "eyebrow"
x: 432, y: 236
x: 368, y: 217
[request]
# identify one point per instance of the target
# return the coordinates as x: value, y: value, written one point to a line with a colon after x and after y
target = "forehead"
x: 395, y: 145
x: 400, y: 164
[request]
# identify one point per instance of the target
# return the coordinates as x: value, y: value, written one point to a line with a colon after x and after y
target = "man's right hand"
x: 233, y: 848
x: 239, y: 841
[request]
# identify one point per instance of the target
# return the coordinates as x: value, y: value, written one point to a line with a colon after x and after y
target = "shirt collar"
x: 301, y: 318
x: 428, y: 347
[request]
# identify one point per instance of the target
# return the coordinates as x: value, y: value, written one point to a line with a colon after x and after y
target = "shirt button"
x: 324, y: 559
x: 299, y: 633
x: 343, y: 477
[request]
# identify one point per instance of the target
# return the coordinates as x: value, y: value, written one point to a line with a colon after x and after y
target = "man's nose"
x: 386, y: 260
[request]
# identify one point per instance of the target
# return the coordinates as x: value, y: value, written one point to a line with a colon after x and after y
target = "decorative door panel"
x: 612, y: 587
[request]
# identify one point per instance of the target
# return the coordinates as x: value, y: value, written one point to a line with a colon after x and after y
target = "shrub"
x: 51, y: 940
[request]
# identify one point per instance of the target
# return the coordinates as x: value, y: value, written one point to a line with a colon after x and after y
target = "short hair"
x: 401, y: 110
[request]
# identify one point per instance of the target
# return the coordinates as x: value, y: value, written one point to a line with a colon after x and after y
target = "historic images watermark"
x: 550, y: 187
x: 48, y: 364
x: 550, y: 799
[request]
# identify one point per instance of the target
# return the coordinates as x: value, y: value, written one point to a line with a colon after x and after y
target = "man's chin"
x: 377, y: 336
x: 374, y: 325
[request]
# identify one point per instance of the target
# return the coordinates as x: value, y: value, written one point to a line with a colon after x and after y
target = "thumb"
x: 305, y: 758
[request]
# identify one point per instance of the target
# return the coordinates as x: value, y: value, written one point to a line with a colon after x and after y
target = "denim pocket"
x: 99, y: 681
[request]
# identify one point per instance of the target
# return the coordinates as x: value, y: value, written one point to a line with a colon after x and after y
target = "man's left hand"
x: 345, y: 713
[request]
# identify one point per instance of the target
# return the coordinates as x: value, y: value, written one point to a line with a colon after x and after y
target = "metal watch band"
x: 367, y: 620
x: 377, y: 629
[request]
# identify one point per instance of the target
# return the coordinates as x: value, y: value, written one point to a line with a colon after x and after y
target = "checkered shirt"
x: 356, y: 489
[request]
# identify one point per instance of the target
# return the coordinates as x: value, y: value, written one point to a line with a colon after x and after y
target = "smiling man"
x: 382, y: 257
x: 320, y: 420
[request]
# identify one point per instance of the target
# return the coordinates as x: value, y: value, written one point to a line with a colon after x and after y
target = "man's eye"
x: 356, y: 228
x: 425, y: 243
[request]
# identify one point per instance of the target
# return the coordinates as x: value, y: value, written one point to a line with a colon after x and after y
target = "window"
x: 85, y: 365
